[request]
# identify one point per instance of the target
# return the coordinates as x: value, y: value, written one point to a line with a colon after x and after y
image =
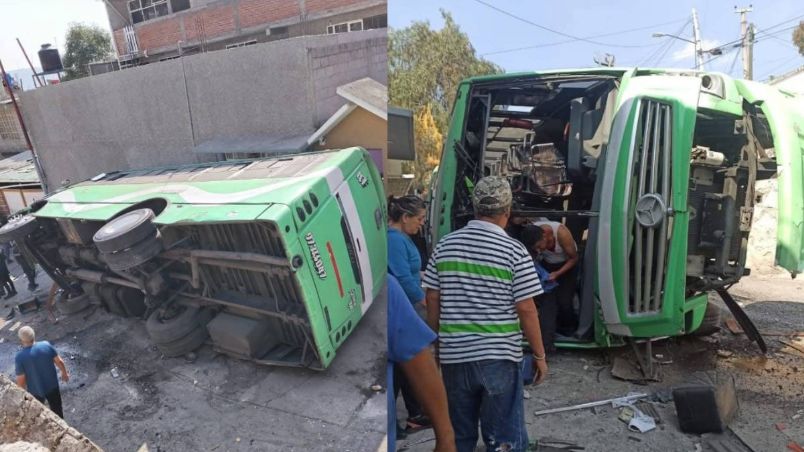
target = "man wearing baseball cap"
x: 480, y: 288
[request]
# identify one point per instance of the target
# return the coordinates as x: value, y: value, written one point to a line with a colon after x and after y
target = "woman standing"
x: 405, y: 219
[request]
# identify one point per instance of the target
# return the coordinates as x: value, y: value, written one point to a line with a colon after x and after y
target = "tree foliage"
x: 85, y: 44
x: 425, y: 67
x: 428, y: 140
x: 798, y: 37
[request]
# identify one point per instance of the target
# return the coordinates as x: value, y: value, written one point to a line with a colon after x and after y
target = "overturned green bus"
x: 653, y: 172
x: 272, y: 260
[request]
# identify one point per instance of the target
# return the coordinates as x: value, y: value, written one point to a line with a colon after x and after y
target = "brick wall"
x: 257, y: 12
x: 227, y: 19
x: 315, y: 6
x: 120, y: 42
x: 160, y: 33
x: 215, y: 21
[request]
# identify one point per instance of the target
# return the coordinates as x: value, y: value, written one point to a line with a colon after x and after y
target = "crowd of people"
x: 456, y: 324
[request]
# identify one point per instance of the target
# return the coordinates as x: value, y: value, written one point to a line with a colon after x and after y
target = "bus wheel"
x: 711, y: 321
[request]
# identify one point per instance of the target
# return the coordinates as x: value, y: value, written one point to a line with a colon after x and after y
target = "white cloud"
x: 688, y: 52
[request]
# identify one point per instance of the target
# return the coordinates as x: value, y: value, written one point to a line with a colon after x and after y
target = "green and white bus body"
x: 277, y: 258
x: 652, y: 171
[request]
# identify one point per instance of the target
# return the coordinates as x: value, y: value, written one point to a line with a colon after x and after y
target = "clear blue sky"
x: 494, y: 34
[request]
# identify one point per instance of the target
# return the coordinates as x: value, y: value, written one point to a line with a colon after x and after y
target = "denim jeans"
x: 488, y: 391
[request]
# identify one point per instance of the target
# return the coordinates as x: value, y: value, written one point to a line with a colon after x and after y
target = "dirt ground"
x: 123, y: 394
x: 770, y: 390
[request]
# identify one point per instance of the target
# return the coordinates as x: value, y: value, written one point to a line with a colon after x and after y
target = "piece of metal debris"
x: 114, y: 372
x: 615, y: 402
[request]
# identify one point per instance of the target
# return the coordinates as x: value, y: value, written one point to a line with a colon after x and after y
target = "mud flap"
x: 742, y: 318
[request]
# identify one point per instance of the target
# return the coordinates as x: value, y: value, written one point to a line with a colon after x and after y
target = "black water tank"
x: 50, y: 59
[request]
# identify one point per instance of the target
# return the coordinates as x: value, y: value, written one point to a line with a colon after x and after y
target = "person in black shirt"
x: 5, y: 278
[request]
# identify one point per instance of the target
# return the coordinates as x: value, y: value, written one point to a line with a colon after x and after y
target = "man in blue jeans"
x: 409, y: 341
x: 480, y: 287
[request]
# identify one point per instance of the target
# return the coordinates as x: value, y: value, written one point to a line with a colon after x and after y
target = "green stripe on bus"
x: 475, y: 269
x: 494, y: 328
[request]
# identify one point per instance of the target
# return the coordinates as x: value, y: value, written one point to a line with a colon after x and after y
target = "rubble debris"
x: 628, y: 370
x: 792, y: 345
x: 725, y: 353
x: 114, y: 372
x: 733, y: 326
x: 26, y: 420
x: 724, y: 442
x: 637, y: 420
x: 376, y: 388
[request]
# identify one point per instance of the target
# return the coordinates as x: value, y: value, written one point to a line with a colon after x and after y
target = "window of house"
x: 345, y: 27
x: 142, y: 10
x: 179, y: 5
x: 278, y: 31
x: 380, y: 21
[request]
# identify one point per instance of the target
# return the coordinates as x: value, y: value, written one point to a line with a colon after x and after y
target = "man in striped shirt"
x: 480, y: 288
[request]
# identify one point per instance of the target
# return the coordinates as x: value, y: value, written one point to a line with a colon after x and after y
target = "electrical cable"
x: 561, y: 33
x: 614, y: 33
x: 734, y: 62
x: 667, y: 44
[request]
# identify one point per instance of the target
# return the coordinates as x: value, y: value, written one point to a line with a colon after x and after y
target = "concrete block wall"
x: 250, y: 91
x: 343, y: 62
x: 125, y: 119
x: 156, y: 115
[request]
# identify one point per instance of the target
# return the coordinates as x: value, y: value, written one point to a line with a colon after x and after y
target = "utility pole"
x: 747, y: 33
x: 696, y: 30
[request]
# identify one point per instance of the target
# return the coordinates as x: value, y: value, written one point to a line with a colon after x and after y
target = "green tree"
x: 428, y: 141
x: 85, y: 44
x: 798, y: 37
x: 425, y: 67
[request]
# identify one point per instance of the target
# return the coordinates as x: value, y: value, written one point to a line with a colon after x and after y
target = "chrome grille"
x: 650, y: 201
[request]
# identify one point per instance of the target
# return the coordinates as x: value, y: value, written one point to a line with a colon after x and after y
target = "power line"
x: 550, y: 44
x: 665, y: 45
x: 783, y: 65
x: 561, y: 33
x: 765, y: 30
x: 733, y: 62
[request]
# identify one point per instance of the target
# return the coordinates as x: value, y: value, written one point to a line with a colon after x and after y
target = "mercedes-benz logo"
x: 650, y: 210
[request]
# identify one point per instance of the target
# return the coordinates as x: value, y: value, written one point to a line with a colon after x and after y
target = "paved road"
x: 215, y: 402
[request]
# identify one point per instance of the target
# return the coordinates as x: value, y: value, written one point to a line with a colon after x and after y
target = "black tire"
x: 186, y: 344
x: 711, y: 321
x: 136, y: 255
x: 132, y: 300
x: 108, y: 294
x: 71, y: 305
x: 18, y: 228
x: 164, y: 330
x: 125, y: 231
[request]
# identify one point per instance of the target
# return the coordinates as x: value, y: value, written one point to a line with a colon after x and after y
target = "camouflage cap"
x: 492, y: 192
